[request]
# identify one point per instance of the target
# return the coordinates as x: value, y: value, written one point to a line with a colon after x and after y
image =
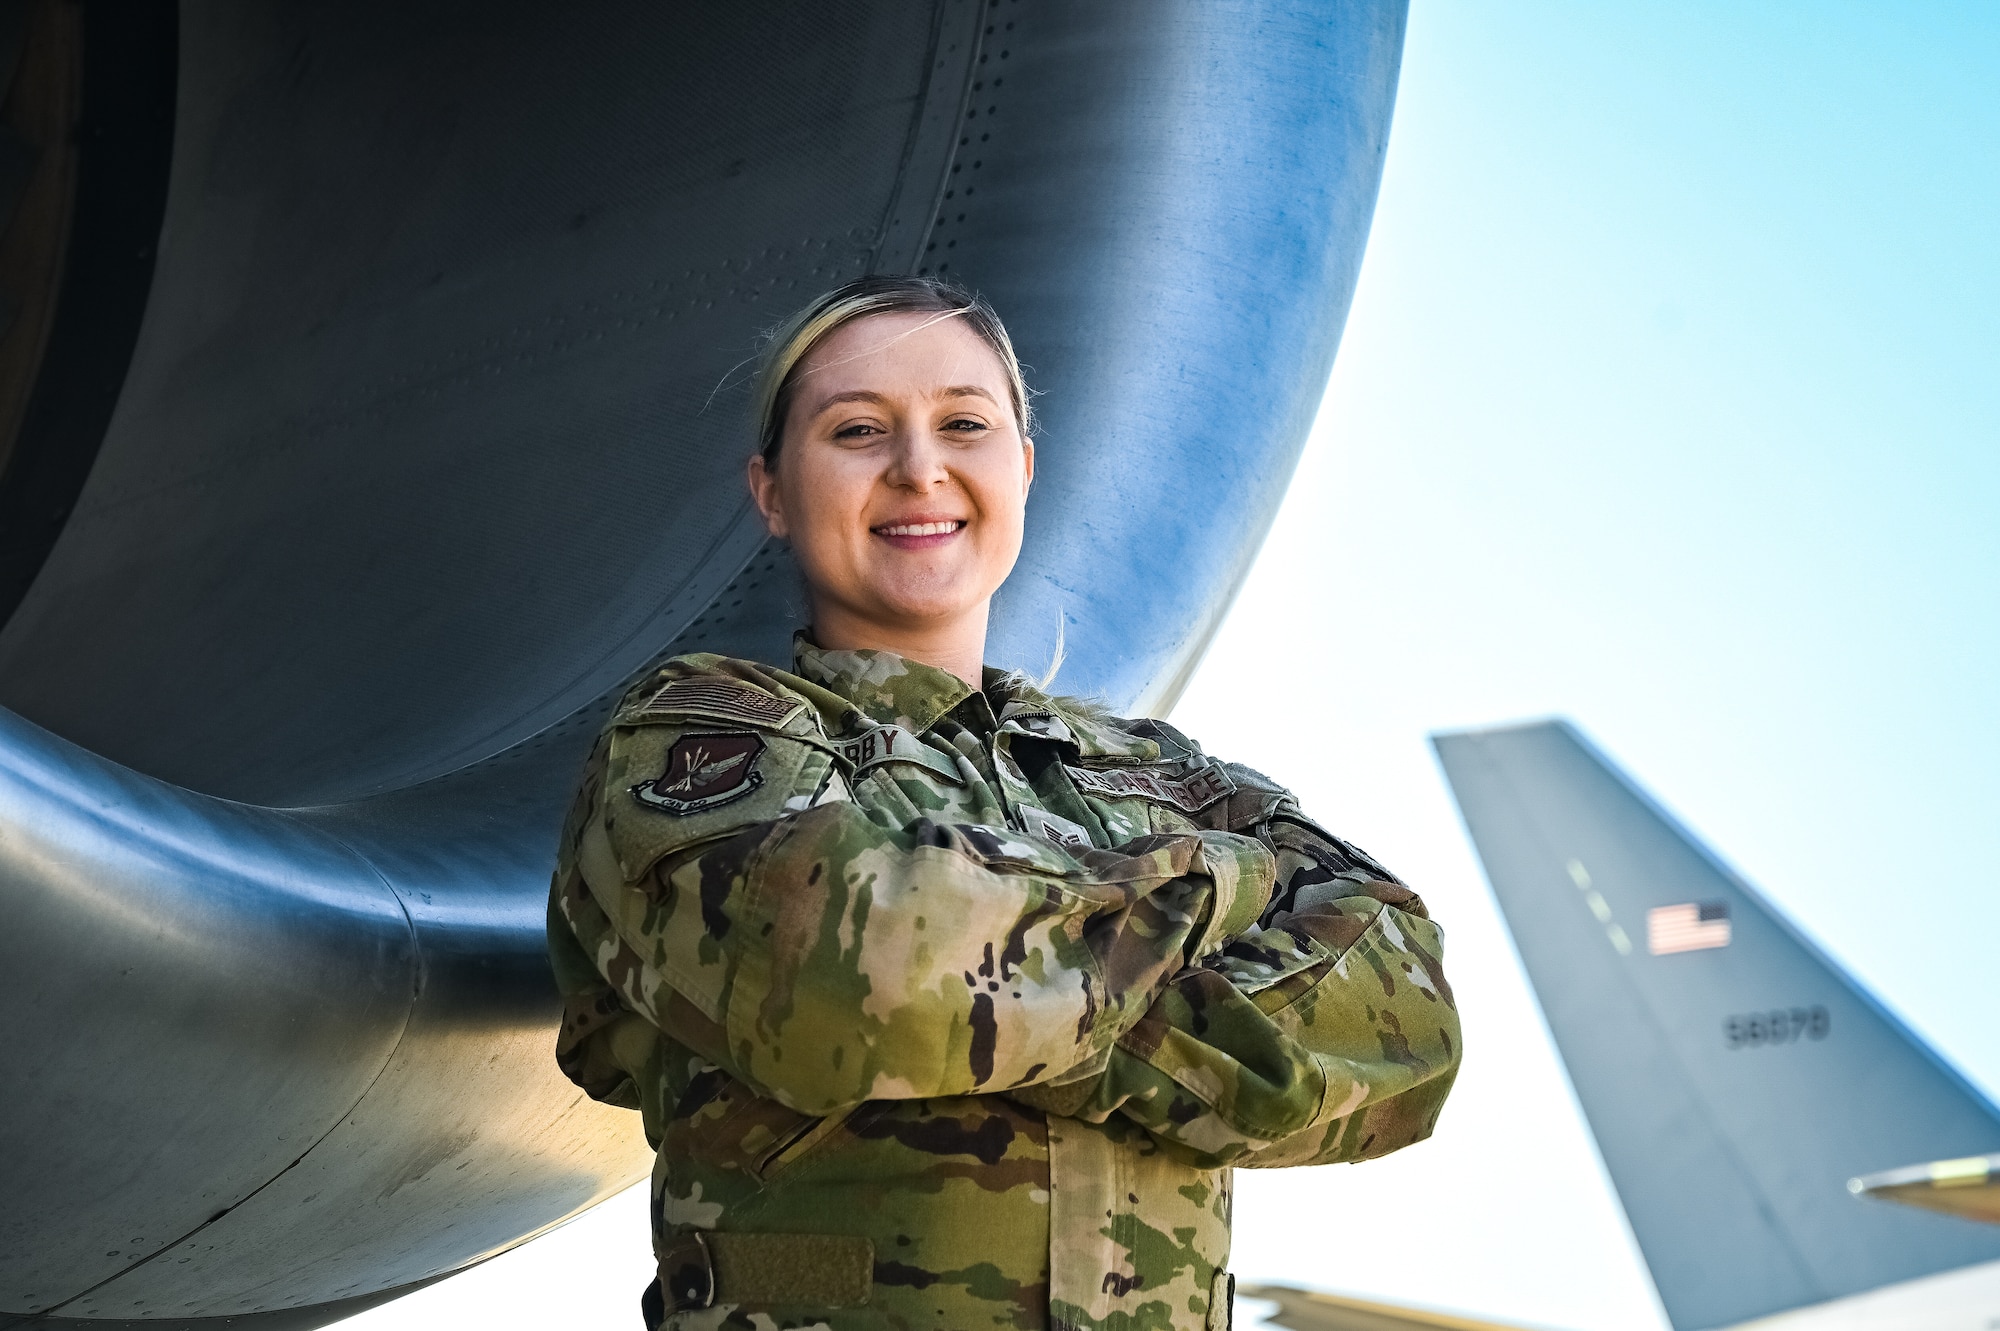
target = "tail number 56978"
x: 1754, y: 1030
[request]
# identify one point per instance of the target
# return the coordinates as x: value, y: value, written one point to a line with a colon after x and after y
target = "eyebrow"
x: 868, y: 395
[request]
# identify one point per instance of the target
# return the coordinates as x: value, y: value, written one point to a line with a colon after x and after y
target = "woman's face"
x: 902, y: 479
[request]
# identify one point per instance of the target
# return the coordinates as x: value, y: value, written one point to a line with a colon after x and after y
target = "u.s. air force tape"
x: 1195, y: 791
x: 717, y: 698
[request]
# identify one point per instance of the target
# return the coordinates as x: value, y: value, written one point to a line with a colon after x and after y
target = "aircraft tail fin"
x: 1735, y: 1078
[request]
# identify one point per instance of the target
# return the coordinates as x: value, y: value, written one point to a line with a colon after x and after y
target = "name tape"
x: 884, y: 744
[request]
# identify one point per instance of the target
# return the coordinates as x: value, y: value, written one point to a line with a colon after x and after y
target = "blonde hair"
x: 791, y: 341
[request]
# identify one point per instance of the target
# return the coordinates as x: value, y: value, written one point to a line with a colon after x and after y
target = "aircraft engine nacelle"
x: 372, y: 408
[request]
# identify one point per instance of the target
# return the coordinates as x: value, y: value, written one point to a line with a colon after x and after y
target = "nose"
x: 916, y: 461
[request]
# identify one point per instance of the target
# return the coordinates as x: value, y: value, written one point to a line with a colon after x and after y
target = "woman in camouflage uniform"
x: 948, y: 1003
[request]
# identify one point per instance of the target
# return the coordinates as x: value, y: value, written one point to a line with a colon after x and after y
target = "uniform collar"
x: 894, y: 690
x: 890, y: 690
x: 1023, y: 707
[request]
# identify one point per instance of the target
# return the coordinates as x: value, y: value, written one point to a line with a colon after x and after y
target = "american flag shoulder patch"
x: 713, y: 698
x: 1688, y: 927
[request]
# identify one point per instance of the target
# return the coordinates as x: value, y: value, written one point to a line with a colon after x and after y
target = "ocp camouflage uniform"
x: 953, y: 1009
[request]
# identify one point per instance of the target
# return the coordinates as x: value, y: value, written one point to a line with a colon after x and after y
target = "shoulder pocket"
x: 670, y: 786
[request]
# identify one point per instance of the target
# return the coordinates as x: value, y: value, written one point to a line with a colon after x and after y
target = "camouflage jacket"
x: 954, y: 1008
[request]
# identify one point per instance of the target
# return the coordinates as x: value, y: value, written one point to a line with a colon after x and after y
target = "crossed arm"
x: 1263, y: 996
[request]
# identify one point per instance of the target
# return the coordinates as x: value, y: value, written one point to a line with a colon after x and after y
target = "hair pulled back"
x: 791, y: 341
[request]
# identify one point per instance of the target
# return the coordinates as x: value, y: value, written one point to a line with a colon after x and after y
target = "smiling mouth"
x: 919, y: 529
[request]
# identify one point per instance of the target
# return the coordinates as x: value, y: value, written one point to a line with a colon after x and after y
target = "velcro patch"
x: 1191, y: 793
x: 704, y: 771
x: 719, y: 699
x: 1039, y: 722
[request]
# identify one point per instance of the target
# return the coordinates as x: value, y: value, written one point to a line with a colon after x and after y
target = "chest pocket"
x: 1135, y: 800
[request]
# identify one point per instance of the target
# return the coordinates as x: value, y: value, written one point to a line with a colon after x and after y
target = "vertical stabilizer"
x: 1734, y: 1077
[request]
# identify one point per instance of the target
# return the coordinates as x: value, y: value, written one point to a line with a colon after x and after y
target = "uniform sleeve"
x: 602, y: 1045
x: 827, y: 959
x: 1324, y: 1032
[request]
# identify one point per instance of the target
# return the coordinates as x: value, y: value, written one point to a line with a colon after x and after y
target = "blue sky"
x: 1668, y: 403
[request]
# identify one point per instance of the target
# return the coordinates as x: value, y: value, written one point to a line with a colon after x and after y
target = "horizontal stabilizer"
x: 1968, y: 1187
x: 1734, y: 1077
x: 1309, y: 1310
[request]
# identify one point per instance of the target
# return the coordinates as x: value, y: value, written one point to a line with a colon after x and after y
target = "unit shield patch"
x: 704, y: 771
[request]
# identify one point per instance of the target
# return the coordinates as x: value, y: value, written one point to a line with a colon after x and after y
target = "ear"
x: 764, y: 492
x: 1028, y: 462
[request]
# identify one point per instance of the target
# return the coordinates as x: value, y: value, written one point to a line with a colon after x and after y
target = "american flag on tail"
x: 1688, y: 927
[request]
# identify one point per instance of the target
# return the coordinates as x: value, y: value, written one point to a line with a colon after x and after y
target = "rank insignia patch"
x: 1054, y: 829
x: 704, y: 771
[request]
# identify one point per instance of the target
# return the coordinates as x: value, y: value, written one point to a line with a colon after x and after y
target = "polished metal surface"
x: 432, y: 438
